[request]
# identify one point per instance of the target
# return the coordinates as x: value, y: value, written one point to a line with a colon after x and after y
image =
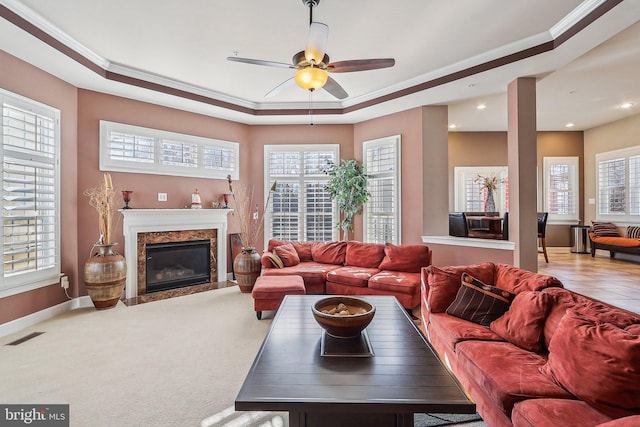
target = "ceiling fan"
x: 312, y: 64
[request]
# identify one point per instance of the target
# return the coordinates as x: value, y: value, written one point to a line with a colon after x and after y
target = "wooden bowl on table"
x: 343, y: 317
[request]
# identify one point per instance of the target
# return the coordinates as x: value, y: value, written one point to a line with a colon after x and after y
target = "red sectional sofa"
x: 351, y: 268
x: 555, y: 358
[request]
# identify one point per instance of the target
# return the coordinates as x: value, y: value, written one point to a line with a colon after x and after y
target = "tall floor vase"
x: 105, y: 275
x: 247, y: 267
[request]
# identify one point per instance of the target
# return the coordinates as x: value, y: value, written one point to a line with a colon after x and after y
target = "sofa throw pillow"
x: 597, y: 362
x: 442, y: 283
x: 605, y: 229
x: 287, y: 254
x: 271, y: 260
x: 329, y: 252
x: 633, y: 232
x: 366, y: 255
x: 407, y: 258
x: 523, y: 323
x: 478, y: 302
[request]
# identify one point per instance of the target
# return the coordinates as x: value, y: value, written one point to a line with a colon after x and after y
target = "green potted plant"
x: 348, y: 186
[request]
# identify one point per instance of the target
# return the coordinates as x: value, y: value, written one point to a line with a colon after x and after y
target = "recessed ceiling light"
x: 481, y: 106
x: 569, y: 125
x: 452, y: 126
x: 627, y: 105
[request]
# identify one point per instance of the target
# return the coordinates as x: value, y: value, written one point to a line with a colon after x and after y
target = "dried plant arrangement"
x: 103, y: 199
x: 250, y: 220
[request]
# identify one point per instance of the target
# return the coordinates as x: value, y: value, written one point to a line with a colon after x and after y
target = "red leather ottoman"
x: 269, y: 291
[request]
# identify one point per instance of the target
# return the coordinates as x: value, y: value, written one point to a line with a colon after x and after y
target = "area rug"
x: 230, y: 418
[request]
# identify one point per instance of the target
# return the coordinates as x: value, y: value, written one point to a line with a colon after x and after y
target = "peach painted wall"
x: 408, y: 124
x: 93, y: 107
x: 23, y: 79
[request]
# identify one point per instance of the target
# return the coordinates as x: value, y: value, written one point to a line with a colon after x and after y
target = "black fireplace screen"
x: 178, y: 264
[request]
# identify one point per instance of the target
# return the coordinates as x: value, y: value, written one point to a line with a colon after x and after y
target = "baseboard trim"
x: 42, y: 315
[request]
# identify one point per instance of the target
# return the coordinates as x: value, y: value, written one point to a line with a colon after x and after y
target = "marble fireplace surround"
x: 153, y: 225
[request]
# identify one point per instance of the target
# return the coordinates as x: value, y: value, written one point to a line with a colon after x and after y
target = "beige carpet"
x: 174, y: 362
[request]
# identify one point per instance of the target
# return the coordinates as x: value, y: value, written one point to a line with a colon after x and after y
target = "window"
x: 30, y: 194
x: 134, y: 149
x: 301, y: 208
x: 561, y: 189
x: 618, y: 175
x: 469, y: 194
x: 382, y: 211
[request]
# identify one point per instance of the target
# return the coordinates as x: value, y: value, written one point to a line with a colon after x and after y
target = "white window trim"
x: 156, y: 168
x: 462, y: 172
x: 620, y: 220
x: 34, y: 280
x: 366, y: 145
x: 274, y: 148
x: 574, y: 163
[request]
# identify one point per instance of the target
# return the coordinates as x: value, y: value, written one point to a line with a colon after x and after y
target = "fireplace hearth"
x: 177, y: 264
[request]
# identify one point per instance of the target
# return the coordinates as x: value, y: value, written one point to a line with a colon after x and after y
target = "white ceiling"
x: 184, y: 45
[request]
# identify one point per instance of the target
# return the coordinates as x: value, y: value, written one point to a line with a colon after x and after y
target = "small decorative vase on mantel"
x: 105, y: 275
x: 490, y: 204
x: 247, y: 267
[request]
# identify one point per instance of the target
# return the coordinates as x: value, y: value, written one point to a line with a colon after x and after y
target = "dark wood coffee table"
x: 402, y: 377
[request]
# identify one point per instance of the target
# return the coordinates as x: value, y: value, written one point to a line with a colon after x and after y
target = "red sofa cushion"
x: 302, y: 248
x: 523, y: 323
x: 352, y: 276
x: 364, y: 254
x: 407, y: 258
x: 514, y: 279
x: 396, y: 282
x: 443, y: 283
x: 329, y: 252
x: 454, y: 330
x: 288, y: 254
x: 597, y: 362
x: 478, y: 302
x: 555, y: 413
x: 506, y: 373
x: 563, y: 299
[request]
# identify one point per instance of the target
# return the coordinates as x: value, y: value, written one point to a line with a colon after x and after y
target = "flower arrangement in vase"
x: 246, y: 265
x: 489, y: 184
x: 105, y: 271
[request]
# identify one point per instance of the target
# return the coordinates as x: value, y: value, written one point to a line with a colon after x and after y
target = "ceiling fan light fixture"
x: 311, y: 78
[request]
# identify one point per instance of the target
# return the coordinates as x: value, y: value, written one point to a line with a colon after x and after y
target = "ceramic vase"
x: 490, y: 204
x: 105, y: 274
x: 247, y: 267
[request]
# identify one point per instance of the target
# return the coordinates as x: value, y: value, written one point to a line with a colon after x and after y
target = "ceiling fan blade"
x: 360, y: 65
x: 317, y: 40
x: 282, y: 86
x: 260, y: 62
x: 335, y: 89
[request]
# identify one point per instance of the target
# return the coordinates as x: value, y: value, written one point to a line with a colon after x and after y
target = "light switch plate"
x: 162, y: 197
x: 592, y: 201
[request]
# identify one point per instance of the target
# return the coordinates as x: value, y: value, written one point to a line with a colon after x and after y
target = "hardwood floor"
x: 616, y: 282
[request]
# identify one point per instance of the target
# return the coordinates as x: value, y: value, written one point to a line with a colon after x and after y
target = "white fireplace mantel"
x: 151, y: 220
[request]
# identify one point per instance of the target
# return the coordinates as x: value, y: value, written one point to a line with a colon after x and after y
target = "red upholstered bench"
x: 269, y: 291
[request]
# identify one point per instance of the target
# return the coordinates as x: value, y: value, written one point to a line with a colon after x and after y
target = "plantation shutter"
x: 634, y: 185
x: 561, y: 190
x: 301, y: 209
x: 382, y: 211
x: 29, y: 182
x: 612, y: 187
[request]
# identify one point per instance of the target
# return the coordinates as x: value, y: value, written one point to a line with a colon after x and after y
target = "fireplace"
x: 147, y: 227
x: 177, y: 264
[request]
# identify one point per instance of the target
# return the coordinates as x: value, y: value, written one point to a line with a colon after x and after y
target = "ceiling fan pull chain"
x: 310, y: 108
